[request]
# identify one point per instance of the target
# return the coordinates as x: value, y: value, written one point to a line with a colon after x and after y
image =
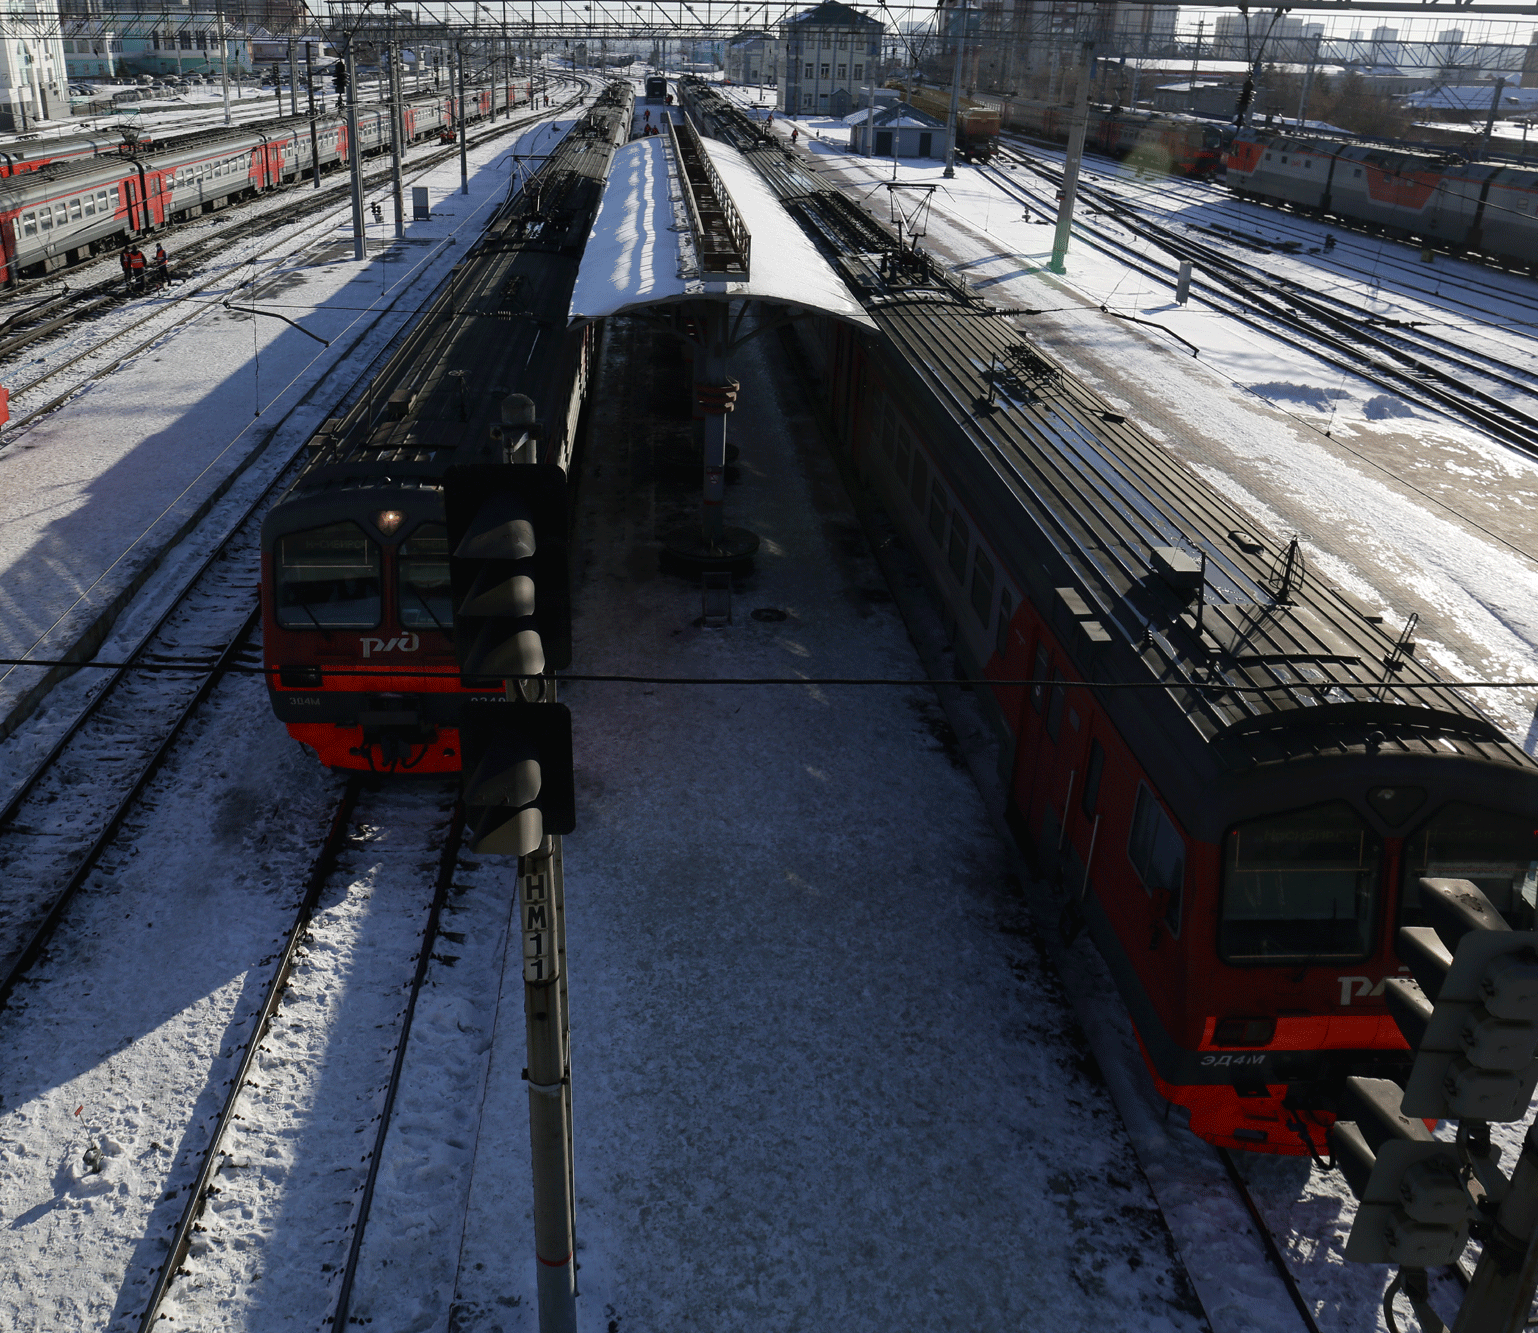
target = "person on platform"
x: 794, y: 135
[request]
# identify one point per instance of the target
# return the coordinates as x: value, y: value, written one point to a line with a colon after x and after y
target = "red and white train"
x: 63, y: 212
x: 1490, y: 208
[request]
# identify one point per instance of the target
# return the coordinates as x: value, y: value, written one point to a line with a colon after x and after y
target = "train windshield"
x: 422, y: 571
x: 1498, y: 852
x: 328, y: 578
x: 1300, y: 887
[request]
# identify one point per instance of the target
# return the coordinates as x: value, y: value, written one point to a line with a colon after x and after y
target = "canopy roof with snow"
x: 641, y: 251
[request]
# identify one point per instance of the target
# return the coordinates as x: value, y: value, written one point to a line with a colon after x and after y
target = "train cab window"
x: 1497, y: 851
x: 1001, y: 630
x: 1299, y: 886
x: 982, y: 586
x: 422, y: 571
x: 1157, y: 852
x: 937, y: 507
x: 328, y: 578
x: 961, y: 541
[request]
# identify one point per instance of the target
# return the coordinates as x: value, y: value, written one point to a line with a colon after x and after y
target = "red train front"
x: 357, y: 627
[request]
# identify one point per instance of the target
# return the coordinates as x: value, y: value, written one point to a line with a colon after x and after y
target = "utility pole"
x: 1308, y: 82
x: 309, y: 79
x: 293, y: 82
x: 955, y: 111
x: 1495, y: 104
x: 397, y: 140
x: 353, y: 152
x: 464, y: 160
x: 1076, y: 135
x: 542, y: 903
x: 224, y: 64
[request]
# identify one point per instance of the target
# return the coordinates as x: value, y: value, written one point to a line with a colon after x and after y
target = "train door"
x: 8, y: 249
x: 133, y: 199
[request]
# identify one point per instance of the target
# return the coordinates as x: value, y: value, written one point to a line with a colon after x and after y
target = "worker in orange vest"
x: 136, y: 268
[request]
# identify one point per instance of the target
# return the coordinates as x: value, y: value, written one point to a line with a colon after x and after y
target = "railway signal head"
x: 339, y: 76
x: 1415, y: 1209
x: 517, y: 779
x: 508, y: 568
x: 1471, y: 1014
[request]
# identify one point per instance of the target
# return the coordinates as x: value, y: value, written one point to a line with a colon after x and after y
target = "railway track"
x: 299, y: 207
x: 280, y: 1189
x: 54, y: 828
x: 1298, y: 319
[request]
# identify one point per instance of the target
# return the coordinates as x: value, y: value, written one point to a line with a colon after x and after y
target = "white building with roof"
x: 825, y: 54
x: 33, y: 80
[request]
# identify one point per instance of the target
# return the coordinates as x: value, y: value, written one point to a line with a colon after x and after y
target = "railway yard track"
x: 1421, y: 367
x: 302, y: 211
x: 62, y: 814
x: 362, y: 928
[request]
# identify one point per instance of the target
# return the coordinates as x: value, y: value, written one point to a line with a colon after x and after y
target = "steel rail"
x: 1350, y: 349
x: 297, y: 209
x: 82, y: 872
x: 199, y: 1192
x: 448, y: 860
x: 221, y: 665
x: 1267, y: 1240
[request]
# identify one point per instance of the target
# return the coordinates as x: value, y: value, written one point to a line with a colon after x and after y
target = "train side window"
x: 117, y: 199
x: 1039, y: 675
x: 982, y: 586
x: 920, y: 480
x: 101, y: 201
x: 45, y: 218
x: 1001, y: 630
x: 1092, y: 771
x: 937, y: 507
x: 1055, y: 705
x: 29, y: 224
x: 961, y: 541
x: 328, y: 578
x: 74, y: 210
x: 1495, y: 850
x: 88, y: 203
x: 61, y: 214
x: 1298, y: 886
x: 1157, y: 852
x: 422, y: 573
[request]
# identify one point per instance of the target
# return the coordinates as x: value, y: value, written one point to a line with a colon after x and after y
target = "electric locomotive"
x: 357, y: 618
x: 1236, y: 773
x: 1152, y: 142
x: 1489, y: 207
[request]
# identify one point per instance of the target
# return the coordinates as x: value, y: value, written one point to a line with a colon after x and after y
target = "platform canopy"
x: 641, y: 251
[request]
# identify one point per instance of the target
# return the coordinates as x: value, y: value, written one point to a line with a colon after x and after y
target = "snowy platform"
x: 640, y: 252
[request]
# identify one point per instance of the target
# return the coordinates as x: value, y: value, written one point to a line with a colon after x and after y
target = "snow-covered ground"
x: 96, y: 492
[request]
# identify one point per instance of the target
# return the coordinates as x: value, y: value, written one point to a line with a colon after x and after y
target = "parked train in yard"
x: 1151, y: 142
x: 1488, y: 207
x: 1236, y: 772
x: 62, y: 212
x: 357, y: 619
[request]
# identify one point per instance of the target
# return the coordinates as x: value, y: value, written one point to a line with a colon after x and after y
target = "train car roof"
x: 1158, y: 587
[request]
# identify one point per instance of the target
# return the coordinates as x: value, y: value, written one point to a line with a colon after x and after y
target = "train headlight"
x: 388, y: 520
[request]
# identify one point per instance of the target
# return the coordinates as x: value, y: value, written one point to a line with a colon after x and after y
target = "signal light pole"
x: 507, y: 525
x: 354, y: 153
